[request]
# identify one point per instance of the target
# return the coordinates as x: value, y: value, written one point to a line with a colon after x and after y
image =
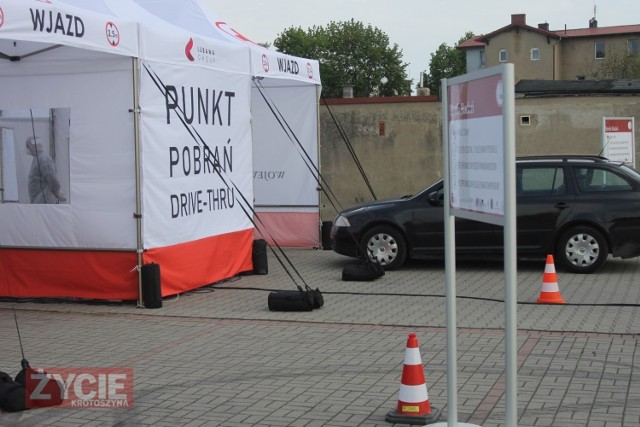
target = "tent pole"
x: 319, y: 148
x: 138, y: 213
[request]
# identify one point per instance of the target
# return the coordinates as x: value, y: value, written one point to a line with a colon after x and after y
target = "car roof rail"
x: 565, y: 158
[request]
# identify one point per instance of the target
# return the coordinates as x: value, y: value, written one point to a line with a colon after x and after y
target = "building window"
x: 483, y: 58
x: 599, y: 50
x: 535, y: 54
x: 632, y: 47
x: 502, y: 55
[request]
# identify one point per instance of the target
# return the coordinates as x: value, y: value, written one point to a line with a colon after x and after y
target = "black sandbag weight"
x: 259, y: 257
x: 290, y: 301
x: 151, y: 286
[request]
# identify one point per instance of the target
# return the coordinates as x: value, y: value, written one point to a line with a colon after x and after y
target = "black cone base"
x: 430, y: 418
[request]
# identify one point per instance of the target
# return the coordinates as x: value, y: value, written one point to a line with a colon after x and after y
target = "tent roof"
x: 185, y: 32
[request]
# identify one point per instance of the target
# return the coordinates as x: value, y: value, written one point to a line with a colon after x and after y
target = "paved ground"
x: 218, y: 356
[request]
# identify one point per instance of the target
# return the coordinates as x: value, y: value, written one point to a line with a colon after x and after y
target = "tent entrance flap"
x: 285, y: 154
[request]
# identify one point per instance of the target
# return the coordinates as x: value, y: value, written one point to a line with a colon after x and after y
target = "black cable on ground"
x: 390, y: 294
x: 218, y: 286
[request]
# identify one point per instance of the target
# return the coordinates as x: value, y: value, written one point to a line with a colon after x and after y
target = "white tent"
x: 150, y: 111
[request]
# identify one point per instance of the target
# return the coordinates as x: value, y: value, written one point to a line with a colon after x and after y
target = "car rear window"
x: 593, y: 179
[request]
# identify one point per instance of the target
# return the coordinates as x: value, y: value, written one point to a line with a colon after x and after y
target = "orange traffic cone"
x: 413, y: 400
x: 550, y: 293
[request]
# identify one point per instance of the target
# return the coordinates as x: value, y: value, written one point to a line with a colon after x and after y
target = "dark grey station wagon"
x: 581, y: 209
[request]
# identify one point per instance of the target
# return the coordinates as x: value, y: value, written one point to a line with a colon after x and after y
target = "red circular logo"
x: 265, y: 63
x: 309, y: 70
x: 113, y: 34
x: 1, y: 17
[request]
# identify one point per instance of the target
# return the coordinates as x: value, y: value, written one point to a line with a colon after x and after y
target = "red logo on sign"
x: 1, y: 17
x: 224, y: 27
x: 187, y: 50
x: 80, y: 387
x: 265, y: 63
x: 113, y: 34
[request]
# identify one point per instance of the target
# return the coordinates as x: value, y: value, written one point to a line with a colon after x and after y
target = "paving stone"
x: 220, y: 357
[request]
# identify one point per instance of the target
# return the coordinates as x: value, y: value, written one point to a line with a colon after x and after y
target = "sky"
x: 418, y: 27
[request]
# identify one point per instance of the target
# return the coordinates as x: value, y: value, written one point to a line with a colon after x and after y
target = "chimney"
x: 544, y: 26
x: 519, y: 19
x: 593, y: 23
x: 347, y: 91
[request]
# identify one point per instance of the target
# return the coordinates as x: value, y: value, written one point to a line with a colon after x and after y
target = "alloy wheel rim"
x: 383, y: 248
x: 582, y: 250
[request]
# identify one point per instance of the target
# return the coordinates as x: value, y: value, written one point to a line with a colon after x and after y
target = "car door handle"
x: 561, y: 205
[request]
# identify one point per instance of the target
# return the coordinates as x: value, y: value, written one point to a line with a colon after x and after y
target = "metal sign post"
x: 478, y: 113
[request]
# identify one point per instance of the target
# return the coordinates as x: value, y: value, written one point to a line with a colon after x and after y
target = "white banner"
x: 284, y: 171
x: 86, y: 25
x: 267, y: 63
x: 196, y: 153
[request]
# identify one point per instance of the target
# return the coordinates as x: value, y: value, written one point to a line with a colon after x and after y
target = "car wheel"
x: 582, y: 250
x: 386, y: 246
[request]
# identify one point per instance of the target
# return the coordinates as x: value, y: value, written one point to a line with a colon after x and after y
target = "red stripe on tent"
x: 110, y: 275
x: 201, y: 262
x: 68, y: 273
x: 412, y: 375
x: 293, y: 229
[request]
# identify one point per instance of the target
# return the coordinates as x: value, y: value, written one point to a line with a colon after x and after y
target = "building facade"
x: 542, y: 54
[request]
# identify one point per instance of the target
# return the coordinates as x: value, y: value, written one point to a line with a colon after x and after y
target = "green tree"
x: 350, y: 53
x: 446, y: 62
x: 617, y: 64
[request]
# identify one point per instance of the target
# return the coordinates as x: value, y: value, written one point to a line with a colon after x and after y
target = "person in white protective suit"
x: 43, y: 183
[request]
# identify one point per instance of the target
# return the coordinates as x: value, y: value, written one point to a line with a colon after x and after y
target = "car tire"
x: 582, y: 249
x: 386, y: 245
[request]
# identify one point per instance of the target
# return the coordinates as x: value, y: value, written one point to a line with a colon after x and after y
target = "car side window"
x: 594, y: 179
x: 540, y: 181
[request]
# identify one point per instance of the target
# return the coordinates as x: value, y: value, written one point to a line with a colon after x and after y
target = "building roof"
x: 599, y: 31
x: 539, y: 88
x: 518, y: 21
x: 472, y: 42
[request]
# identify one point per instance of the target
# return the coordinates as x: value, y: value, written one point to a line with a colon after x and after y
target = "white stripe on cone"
x: 413, y: 393
x: 412, y: 356
x: 550, y: 287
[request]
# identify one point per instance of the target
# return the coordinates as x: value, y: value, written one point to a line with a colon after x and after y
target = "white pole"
x: 138, y: 213
x: 510, y: 249
x: 450, y: 271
